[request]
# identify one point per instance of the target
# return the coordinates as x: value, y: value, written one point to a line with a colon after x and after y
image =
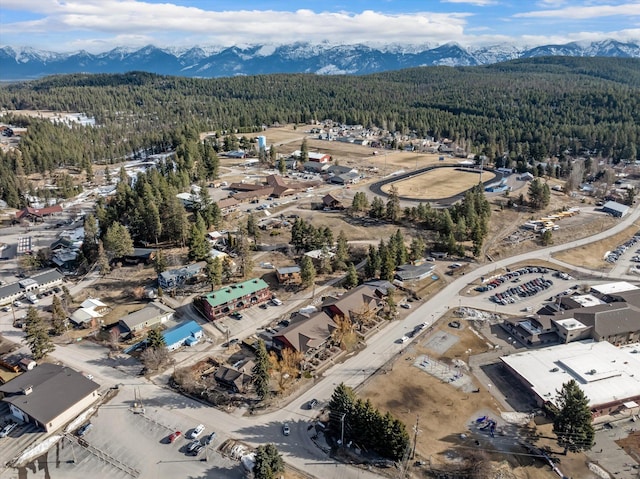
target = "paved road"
x: 297, y: 448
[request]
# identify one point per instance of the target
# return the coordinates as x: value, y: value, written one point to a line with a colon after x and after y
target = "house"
x: 174, y: 278
x: 410, y: 272
x: 330, y: 201
x: 362, y: 300
x: 341, y: 170
x: 615, y: 209
x: 526, y: 177
x: 88, y: 313
x: 289, y: 275
x: 238, y: 379
x: 315, y: 167
x: 345, y: 179
x: 307, y: 334
x: 319, y: 157
x: 151, y: 315
x: 49, y: 396
x: 188, y: 333
x: 317, y: 255
x: 139, y: 255
x: 232, y: 298
x: 38, y: 213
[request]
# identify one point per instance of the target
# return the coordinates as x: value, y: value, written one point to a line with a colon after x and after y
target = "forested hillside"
x: 528, y: 109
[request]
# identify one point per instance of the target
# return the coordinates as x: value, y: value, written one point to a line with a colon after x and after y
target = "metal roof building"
x: 187, y: 333
x: 616, y: 209
x: 608, y: 376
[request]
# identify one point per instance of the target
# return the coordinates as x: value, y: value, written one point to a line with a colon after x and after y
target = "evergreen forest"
x: 520, y: 111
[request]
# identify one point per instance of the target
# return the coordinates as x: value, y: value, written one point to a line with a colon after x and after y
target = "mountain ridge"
x: 324, y: 58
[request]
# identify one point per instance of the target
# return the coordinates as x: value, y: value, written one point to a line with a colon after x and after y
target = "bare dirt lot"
x: 439, y: 183
x: 592, y: 255
x: 446, y: 412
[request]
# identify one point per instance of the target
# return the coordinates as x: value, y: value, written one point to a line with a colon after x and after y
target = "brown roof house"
x: 365, y: 299
x: 238, y: 379
x: 306, y: 333
x: 49, y: 396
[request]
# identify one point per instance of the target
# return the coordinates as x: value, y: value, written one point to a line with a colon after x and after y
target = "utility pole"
x: 415, y: 437
x: 342, y: 428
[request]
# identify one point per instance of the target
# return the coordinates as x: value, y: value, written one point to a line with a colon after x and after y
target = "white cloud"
x: 584, y: 12
x: 477, y: 3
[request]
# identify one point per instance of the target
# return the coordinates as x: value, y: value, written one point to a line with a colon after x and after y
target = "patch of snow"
x: 518, y: 418
x: 79, y: 420
x: 266, y: 50
x: 598, y: 471
x: 37, y: 450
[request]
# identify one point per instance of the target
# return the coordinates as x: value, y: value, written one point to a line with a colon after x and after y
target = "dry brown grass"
x: 439, y: 183
x: 592, y: 255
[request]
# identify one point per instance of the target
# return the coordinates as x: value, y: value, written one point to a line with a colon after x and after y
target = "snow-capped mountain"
x: 323, y: 58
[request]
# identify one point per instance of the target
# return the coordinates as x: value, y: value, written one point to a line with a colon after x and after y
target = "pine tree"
x: 307, y: 271
x: 155, y: 339
x: 214, y: 272
x: 36, y: 335
x: 261, y: 371
x: 572, y: 421
x: 102, y: 262
x: 282, y: 166
x: 268, y: 462
x: 351, y: 280
x: 58, y: 317
x: 198, y: 246
x: 393, y: 205
x: 304, y: 151
x: 117, y: 241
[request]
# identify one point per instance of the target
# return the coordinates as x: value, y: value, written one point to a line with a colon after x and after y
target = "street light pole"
x: 342, y: 428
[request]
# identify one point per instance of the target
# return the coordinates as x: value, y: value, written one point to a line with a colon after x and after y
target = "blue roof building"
x: 187, y: 333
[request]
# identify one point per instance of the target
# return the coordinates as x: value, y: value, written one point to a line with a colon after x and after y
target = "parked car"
x: 405, y: 306
x: 193, y: 446
x: 209, y: 438
x: 285, y: 429
x: 237, y: 316
x: 404, y: 339
x: 84, y: 429
x: 17, y: 304
x: 197, y: 431
x: 312, y: 404
x: 7, y: 429
x: 276, y: 302
x: 174, y: 436
x: 6, y: 309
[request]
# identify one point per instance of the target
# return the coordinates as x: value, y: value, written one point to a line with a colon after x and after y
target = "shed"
x: 615, y: 209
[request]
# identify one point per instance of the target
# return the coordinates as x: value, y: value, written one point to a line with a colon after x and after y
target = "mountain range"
x: 208, y: 62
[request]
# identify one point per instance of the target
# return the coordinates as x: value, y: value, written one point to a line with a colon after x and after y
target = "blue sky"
x: 100, y: 25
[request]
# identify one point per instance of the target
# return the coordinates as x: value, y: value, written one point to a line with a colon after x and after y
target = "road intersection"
x: 298, y: 449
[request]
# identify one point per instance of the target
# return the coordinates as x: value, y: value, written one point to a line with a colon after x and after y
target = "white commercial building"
x: 609, y: 376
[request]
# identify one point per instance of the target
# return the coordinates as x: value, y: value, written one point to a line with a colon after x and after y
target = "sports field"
x: 439, y: 183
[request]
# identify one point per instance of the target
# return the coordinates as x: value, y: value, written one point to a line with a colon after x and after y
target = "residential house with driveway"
x: 306, y: 334
x: 153, y: 314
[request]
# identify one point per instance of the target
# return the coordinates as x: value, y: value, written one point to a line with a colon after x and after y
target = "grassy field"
x: 438, y: 183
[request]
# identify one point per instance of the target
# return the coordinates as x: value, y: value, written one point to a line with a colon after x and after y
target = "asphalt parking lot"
x: 124, y: 444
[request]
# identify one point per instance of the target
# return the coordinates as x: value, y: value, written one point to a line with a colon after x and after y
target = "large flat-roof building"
x: 234, y: 297
x: 49, y: 395
x: 609, y: 376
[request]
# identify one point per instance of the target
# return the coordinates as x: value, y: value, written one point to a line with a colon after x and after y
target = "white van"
x: 276, y: 302
x: 32, y: 298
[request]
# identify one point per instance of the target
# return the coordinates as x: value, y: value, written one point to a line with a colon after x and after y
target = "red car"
x: 174, y: 436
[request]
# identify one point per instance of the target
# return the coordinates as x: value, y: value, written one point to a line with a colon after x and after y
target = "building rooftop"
x: 235, y: 291
x: 149, y: 312
x: 180, y: 332
x: 54, y: 390
x: 613, y: 288
x: 604, y: 372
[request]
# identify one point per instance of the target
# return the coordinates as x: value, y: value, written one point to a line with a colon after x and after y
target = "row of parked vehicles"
x: 196, y: 446
x: 513, y: 276
x: 524, y: 290
x: 614, y: 255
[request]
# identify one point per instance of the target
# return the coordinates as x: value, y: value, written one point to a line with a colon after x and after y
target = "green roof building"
x: 235, y: 297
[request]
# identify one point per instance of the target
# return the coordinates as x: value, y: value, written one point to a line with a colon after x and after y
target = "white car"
x: 197, y: 431
x: 404, y: 339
